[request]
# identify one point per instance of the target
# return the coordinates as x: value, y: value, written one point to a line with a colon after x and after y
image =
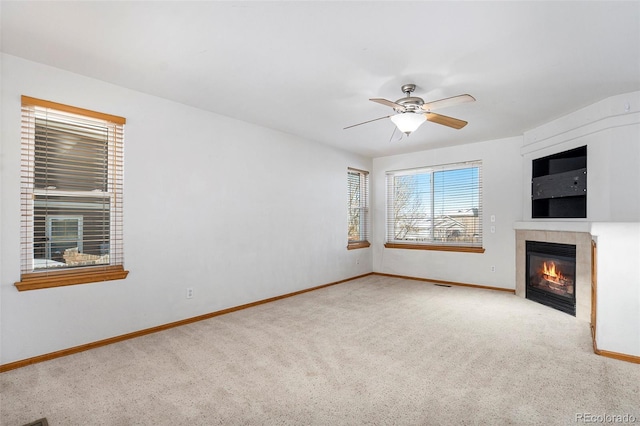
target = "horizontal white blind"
x: 358, y: 206
x: 440, y: 205
x: 72, y: 181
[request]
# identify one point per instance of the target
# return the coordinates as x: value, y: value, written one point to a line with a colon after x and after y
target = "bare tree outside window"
x: 411, y: 217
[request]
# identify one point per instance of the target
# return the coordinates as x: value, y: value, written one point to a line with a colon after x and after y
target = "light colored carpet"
x: 376, y: 350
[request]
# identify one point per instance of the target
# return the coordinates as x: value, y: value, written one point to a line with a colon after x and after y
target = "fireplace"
x: 551, y: 275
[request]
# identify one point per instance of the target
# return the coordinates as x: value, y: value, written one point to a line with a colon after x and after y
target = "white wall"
x: 618, y: 278
x: 501, y: 172
x: 238, y: 212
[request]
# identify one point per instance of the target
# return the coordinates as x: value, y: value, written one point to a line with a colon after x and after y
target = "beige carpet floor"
x: 375, y: 351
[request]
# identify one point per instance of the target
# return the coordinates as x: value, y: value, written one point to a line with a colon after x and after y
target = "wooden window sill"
x: 358, y: 245
x: 462, y: 249
x: 48, y: 279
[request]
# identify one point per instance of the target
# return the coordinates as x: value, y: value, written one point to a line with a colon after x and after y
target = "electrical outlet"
x: 493, y: 268
x: 493, y: 229
x: 189, y: 293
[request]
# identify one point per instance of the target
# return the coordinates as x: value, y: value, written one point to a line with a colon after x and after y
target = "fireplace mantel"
x: 554, y: 225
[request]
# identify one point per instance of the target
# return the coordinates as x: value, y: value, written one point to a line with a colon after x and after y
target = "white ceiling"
x: 308, y: 68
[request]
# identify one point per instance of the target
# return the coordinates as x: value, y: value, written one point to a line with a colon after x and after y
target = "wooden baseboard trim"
x: 76, y: 349
x: 616, y: 355
x: 429, y: 280
x: 609, y: 354
x: 593, y: 338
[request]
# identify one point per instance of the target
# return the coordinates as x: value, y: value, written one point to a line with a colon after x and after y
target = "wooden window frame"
x: 435, y: 247
x: 30, y: 278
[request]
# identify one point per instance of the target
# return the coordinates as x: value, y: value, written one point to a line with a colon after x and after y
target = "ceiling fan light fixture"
x: 408, y: 122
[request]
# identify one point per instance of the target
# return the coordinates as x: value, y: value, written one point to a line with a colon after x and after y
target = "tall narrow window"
x: 437, y: 208
x: 72, y: 181
x: 358, y: 208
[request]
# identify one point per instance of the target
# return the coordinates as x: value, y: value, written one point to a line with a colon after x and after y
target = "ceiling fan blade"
x: 387, y: 103
x: 365, y: 122
x: 442, y: 103
x: 445, y: 121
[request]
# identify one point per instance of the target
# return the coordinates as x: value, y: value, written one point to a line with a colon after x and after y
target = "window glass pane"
x: 456, y: 203
x: 70, y: 157
x: 354, y: 206
x: 438, y: 205
x: 358, y: 208
x: 411, y: 208
x: 63, y: 232
x: 71, y: 230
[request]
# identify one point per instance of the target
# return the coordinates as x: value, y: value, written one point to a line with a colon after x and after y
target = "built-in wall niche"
x: 559, y: 185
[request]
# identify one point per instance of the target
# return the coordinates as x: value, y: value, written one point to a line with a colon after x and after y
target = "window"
x: 63, y: 232
x: 71, y: 195
x: 436, y: 208
x: 358, y: 213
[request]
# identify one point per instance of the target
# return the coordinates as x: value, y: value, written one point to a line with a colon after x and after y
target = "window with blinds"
x: 71, y: 196
x: 358, y: 208
x: 435, y: 207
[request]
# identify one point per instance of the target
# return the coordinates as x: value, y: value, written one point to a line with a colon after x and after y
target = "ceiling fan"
x: 412, y: 111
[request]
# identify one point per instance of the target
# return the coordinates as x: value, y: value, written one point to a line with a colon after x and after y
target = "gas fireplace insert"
x: 551, y: 275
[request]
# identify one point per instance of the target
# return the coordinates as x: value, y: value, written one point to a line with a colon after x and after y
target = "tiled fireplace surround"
x: 582, y: 241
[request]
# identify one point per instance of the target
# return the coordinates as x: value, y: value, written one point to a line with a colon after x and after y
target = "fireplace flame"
x: 550, y: 273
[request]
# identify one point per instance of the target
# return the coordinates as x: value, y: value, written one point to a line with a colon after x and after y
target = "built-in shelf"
x: 559, y: 185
